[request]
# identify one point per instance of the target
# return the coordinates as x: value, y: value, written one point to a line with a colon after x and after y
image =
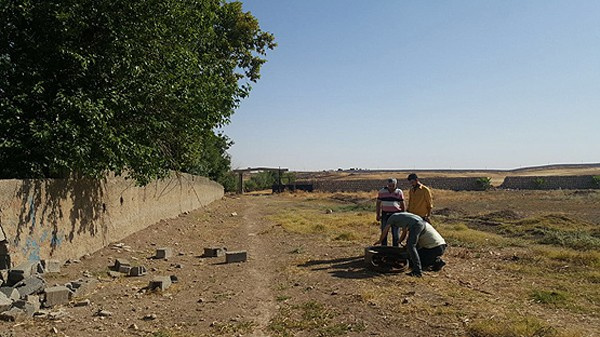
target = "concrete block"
x: 164, y: 253
x: 56, y: 296
x: 138, y: 271
x: 214, y: 251
x: 5, y: 261
x: 124, y: 269
x: 10, y: 292
x: 4, y: 276
x: 51, y: 266
x: 29, y: 286
x: 30, y: 305
x: 21, y: 272
x: 13, y: 315
x: 5, y: 302
x: 82, y: 287
x: 121, y: 262
x: 237, y: 256
x: 160, y: 282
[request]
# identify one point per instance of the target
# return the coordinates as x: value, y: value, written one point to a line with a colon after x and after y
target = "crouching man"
x: 425, y: 245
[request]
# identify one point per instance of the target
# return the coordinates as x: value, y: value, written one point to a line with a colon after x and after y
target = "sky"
x: 393, y: 84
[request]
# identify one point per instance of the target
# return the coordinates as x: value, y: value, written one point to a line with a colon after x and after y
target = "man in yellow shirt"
x: 419, y: 198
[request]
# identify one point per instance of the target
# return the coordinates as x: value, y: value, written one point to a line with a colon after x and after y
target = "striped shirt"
x: 390, y: 201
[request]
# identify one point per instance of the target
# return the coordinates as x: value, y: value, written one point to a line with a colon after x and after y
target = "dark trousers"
x: 395, y: 230
x: 422, y: 258
x: 429, y: 255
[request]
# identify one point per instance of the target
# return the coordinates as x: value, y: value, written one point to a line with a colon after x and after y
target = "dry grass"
x: 517, y: 326
x: 496, y: 176
x: 530, y: 258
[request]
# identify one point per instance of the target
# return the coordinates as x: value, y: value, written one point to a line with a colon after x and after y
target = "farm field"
x: 519, y: 264
x: 497, y: 176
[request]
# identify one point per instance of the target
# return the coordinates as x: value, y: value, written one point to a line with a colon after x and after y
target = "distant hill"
x: 497, y: 175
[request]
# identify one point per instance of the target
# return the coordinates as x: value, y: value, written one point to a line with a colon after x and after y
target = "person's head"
x: 413, y: 179
x: 392, y: 183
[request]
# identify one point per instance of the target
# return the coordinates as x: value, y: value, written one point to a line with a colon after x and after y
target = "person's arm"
x: 402, y: 206
x: 383, y: 234
x: 378, y: 209
x: 402, y: 235
x: 408, y: 202
x: 428, y: 201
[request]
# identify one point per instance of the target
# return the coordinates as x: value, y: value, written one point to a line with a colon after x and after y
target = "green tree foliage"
x: 485, y: 183
x: 261, y: 181
x: 129, y: 86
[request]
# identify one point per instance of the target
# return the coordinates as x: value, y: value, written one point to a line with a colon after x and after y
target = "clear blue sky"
x: 423, y: 84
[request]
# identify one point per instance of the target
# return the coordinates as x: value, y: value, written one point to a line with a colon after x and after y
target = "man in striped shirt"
x: 390, y: 200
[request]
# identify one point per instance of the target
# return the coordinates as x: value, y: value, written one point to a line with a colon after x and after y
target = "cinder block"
x: 121, y: 262
x: 164, y: 253
x: 5, y: 261
x: 138, y: 271
x: 82, y: 287
x: 10, y: 292
x: 125, y: 269
x: 13, y: 315
x: 30, y: 286
x: 214, y: 251
x: 56, y: 296
x: 30, y: 305
x: 237, y: 256
x: 21, y: 272
x: 5, y: 302
x: 160, y: 282
x: 51, y: 266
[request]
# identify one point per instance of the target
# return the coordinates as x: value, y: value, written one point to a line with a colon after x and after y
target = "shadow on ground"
x: 345, y: 267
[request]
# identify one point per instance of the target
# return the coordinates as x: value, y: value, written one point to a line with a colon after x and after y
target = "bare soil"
x: 292, y: 285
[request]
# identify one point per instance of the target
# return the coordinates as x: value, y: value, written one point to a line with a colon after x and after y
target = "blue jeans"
x: 414, y: 231
x: 394, y: 229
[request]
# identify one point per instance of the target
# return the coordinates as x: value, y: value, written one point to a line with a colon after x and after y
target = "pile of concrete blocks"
x: 123, y: 266
x: 23, y: 290
x: 230, y: 256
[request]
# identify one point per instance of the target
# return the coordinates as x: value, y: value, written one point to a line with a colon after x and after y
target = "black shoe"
x: 415, y: 274
x: 438, y: 264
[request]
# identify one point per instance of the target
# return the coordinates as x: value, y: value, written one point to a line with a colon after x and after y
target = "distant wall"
x: 550, y: 182
x: 456, y: 184
x: 66, y: 218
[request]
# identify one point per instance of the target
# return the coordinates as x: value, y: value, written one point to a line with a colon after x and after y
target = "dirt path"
x: 261, y: 274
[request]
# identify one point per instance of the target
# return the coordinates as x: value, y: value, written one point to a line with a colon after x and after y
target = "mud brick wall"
x: 550, y: 182
x: 455, y: 184
x: 68, y: 218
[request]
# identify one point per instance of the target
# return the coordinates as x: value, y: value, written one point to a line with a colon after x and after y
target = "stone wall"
x: 550, y: 182
x: 67, y: 218
x: 455, y: 184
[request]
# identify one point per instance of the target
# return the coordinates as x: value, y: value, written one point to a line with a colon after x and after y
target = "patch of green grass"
x: 459, y: 234
x: 554, y: 297
x: 298, y: 250
x: 311, y: 317
x: 579, y: 240
x: 361, y: 207
x: 283, y: 298
x: 588, y: 259
x: 341, y: 226
x: 516, y: 326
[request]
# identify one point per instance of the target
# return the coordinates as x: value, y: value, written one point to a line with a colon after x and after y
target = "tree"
x: 130, y: 86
